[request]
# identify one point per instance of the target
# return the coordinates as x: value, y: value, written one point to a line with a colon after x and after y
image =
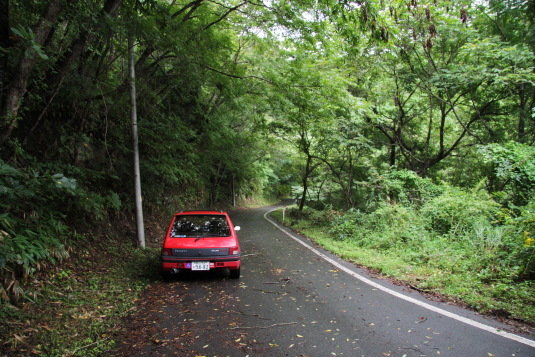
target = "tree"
x: 513, y: 22
x: 425, y: 105
x: 28, y: 54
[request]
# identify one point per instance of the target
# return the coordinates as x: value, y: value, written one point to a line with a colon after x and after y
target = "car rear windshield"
x: 200, y: 225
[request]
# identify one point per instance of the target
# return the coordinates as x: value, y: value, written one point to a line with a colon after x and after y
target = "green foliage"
x: 38, y: 211
x: 512, y: 171
x: 455, y: 210
x: 28, y: 36
x: 385, y: 228
x: 403, y: 186
x: 519, y: 239
x: 31, y: 232
x: 460, y: 242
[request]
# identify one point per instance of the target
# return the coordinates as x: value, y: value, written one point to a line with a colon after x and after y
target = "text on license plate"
x: 200, y: 265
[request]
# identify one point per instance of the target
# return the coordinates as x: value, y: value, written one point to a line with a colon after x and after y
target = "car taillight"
x: 234, y: 250
x: 167, y: 252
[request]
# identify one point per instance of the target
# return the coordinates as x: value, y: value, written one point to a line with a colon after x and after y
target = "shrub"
x: 295, y: 214
x: 519, y: 239
x: 31, y: 231
x: 513, y: 171
x: 324, y: 217
x: 389, y: 226
x: 486, y: 237
x: 36, y: 205
x: 455, y: 210
x: 405, y: 187
x: 317, y: 205
x: 346, y: 225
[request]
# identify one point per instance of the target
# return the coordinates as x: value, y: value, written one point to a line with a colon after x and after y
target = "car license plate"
x: 200, y: 265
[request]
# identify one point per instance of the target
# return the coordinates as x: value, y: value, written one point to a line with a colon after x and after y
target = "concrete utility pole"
x: 135, y: 146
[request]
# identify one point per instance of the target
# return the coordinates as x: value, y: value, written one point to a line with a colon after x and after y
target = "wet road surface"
x: 290, y: 301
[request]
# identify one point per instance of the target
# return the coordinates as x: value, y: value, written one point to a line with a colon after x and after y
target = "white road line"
x: 465, y: 320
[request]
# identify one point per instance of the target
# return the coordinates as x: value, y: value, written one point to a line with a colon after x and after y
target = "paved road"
x: 290, y: 301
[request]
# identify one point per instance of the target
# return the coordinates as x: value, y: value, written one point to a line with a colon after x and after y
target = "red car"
x: 201, y: 240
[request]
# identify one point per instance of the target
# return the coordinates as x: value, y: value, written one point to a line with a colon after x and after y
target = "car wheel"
x: 235, y: 274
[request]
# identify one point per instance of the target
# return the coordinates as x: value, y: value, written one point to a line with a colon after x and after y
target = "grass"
x: 447, y: 274
x: 78, y: 305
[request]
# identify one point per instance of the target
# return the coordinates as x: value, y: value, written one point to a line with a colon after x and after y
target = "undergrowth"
x: 77, y: 306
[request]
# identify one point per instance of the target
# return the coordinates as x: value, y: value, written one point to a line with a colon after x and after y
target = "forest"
x: 403, y: 129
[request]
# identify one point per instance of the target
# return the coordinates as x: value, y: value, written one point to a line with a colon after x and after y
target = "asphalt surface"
x: 295, y: 299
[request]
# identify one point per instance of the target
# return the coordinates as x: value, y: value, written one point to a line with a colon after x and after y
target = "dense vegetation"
x: 408, y: 125
x: 458, y: 244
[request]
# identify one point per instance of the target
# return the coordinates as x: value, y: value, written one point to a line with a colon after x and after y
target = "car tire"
x: 235, y: 273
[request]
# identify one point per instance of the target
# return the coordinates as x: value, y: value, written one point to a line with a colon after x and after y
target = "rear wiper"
x: 209, y: 234
x: 199, y: 237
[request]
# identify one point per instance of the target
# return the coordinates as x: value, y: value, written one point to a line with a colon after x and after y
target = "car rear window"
x: 199, y: 225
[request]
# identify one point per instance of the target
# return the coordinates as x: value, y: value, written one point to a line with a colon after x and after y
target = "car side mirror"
x: 237, y: 228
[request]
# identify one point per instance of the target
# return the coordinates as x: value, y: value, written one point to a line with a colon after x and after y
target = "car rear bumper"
x: 169, y: 263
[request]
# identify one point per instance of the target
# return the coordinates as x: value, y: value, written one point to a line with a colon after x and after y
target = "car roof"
x: 201, y: 212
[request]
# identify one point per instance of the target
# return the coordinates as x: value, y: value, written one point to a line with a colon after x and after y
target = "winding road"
x: 295, y: 299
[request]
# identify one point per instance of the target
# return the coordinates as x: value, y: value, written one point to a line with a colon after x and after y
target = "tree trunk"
x: 5, y: 43
x: 392, y: 152
x: 524, y: 112
x: 308, y: 171
x: 17, y: 86
x: 64, y: 65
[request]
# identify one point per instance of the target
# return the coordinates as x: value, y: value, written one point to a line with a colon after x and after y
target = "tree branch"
x: 263, y: 327
x: 236, y: 76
